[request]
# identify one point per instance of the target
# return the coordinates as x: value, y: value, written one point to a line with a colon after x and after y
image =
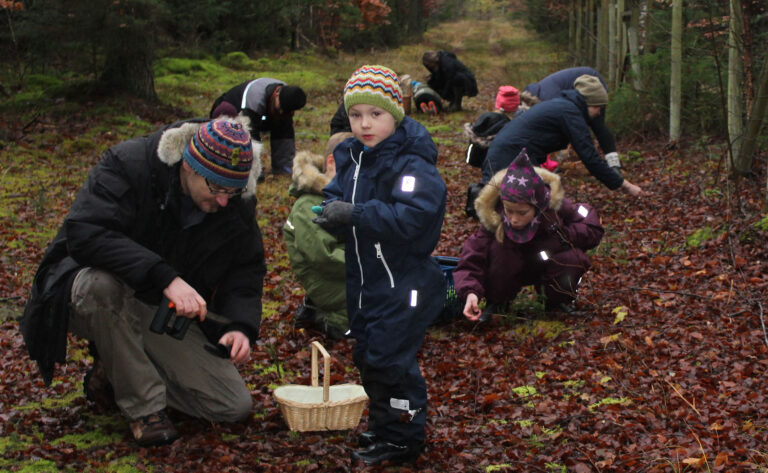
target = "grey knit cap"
x: 592, y: 90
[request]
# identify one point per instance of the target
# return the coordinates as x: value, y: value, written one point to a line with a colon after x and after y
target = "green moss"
x: 525, y: 391
x: 51, y: 403
x: 14, y: 442
x: 700, y: 236
x: 34, y: 466
x: 237, y: 60
x: 574, y: 383
x: 762, y: 224
x: 438, y: 128
x: 89, y: 439
x: 556, y: 467
x: 127, y: 464
x: 548, y: 329
x: 500, y: 467
x: 610, y: 401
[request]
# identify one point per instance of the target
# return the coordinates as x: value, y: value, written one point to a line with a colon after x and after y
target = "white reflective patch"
x: 414, y: 297
x: 583, y: 211
x: 290, y: 225
x: 409, y: 183
x: 401, y: 404
x: 543, y: 255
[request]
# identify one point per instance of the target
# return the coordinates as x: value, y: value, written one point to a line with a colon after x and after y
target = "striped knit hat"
x: 221, y: 152
x: 375, y: 85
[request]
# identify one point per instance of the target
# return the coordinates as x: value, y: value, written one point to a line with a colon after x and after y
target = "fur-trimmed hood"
x: 487, y: 202
x: 174, y: 141
x: 308, y: 176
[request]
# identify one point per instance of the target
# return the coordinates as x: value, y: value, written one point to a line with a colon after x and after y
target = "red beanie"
x: 508, y: 99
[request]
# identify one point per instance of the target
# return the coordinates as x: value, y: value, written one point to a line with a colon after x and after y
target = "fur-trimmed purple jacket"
x: 494, y: 267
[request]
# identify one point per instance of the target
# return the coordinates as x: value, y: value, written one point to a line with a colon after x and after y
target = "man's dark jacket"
x: 126, y: 221
x: 547, y: 127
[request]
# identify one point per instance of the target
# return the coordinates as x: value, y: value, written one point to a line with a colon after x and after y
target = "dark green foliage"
x: 548, y: 21
x: 702, y: 111
x: 115, y: 42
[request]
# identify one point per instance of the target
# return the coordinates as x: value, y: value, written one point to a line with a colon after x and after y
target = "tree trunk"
x: 591, y: 41
x: 128, y: 65
x: 602, y: 36
x: 735, y: 94
x: 633, y: 32
x: 572, y: 31
x: 675, y: 72
x: 621, y: 35
x: 757, y: 115
x: 579, y: 31
x: 612, y: 47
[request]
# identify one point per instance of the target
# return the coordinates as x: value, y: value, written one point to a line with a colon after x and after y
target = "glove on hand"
x: 613, y: 160
x: 335, y: 214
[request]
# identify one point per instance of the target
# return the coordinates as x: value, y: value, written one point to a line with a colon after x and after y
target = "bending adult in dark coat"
x: 135, y: 228
x: 449, y: 77
x: 269, y: 104
x: 550, y: 87
x: 550, y: 126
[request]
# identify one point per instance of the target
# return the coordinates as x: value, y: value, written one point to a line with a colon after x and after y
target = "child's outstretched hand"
x: 471, y: 309
x: 334, y: 214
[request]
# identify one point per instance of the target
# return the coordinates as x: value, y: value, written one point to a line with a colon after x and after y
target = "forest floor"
x: 662, y: 368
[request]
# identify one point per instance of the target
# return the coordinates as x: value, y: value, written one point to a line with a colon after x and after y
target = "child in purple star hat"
x: 531, y: 234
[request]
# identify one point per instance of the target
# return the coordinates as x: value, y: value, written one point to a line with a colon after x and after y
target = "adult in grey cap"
x: 551, y: 86
x: 270, y: 104
x: 552, y: 126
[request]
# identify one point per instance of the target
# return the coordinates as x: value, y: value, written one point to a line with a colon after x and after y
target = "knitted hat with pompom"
x: 378, y: 86
x: 221, y: 152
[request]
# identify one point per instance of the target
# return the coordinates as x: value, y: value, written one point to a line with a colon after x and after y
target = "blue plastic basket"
x: 452, y: 307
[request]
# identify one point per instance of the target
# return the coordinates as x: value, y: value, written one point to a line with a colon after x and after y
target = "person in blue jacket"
x: 388, y: 199
x: 550, y: 87
x: 552, y: 125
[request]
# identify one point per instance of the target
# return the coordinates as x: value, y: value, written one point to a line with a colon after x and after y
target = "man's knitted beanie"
x: 592, y: 90
x: 522, y: 184
x: 292, y: 98
x: 220, y: 151
x: 507, y: 99
x: 375, y: 85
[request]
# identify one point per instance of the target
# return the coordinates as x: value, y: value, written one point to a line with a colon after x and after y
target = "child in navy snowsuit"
x: 389, y: 200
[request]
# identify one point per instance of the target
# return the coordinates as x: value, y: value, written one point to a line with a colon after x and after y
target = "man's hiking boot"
x: 98, y: 389
x: 154, y: 429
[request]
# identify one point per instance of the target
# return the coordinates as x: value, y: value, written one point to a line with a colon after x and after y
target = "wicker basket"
x: 309, y: 408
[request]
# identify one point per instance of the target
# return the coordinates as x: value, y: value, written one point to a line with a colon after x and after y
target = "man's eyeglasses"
x: 217, y: 189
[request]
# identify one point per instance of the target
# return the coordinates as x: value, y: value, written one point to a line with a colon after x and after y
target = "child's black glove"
x: 335, y: 214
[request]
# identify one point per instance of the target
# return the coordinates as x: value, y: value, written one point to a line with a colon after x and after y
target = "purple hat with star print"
x: 521, y: 184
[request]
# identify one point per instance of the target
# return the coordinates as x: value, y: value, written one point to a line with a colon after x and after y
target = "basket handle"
x: 326, y: 369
